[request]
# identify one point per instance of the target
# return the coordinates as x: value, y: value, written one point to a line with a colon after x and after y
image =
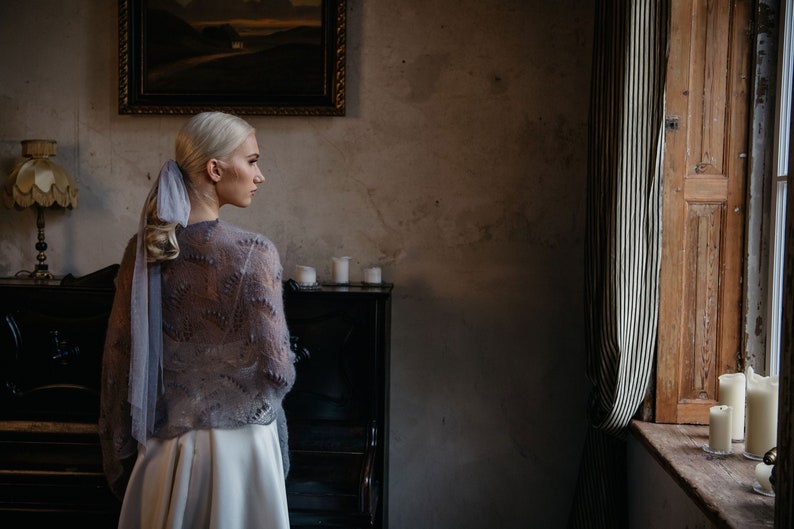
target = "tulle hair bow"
x: 173, y: 205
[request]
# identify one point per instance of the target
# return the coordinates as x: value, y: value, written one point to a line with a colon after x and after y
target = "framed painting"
x: 266, y: 58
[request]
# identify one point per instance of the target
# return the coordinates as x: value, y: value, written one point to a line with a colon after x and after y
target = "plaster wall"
x: 459, y: 168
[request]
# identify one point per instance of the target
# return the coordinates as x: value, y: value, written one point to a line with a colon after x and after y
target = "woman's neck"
x: 202, y: 212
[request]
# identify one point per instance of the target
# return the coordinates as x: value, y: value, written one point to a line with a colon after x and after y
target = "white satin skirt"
x: 209, y: 479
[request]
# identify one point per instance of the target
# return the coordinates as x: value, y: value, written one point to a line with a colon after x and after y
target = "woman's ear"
x: 214, y: 170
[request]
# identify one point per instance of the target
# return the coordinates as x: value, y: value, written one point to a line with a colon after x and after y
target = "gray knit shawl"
x: 227, y: 360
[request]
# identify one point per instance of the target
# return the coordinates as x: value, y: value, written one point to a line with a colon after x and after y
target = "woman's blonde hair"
x: 205, y: 136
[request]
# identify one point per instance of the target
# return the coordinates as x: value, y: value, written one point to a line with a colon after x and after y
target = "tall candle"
x: 720, y: 428
x: 762, y: 399
x: 732, y: 393
x: 339, y: 269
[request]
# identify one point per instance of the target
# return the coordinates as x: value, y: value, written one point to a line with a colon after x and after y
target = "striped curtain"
x: 622, y: 243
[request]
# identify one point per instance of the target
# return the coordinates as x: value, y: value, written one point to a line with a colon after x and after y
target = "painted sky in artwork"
x: 249, y: 17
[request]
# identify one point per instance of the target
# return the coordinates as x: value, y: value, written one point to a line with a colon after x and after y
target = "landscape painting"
x: 278, y: 57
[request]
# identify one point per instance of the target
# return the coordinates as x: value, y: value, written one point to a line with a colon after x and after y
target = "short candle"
x: 720, y: 428
x: 372, y: 275
x: 305, y: 275
x: 762, y: 474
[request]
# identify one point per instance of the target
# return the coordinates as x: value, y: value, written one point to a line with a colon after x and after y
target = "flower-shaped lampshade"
x: 38, y: 181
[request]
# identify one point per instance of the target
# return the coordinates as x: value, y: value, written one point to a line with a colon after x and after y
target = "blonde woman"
x: 197, y: 356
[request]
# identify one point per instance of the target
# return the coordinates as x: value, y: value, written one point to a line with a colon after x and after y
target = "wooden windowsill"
x: 720, y: 485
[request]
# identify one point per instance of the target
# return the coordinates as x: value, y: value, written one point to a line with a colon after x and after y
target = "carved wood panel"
x: 703, y: 200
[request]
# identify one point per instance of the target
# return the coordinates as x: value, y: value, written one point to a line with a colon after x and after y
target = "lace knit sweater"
x: 227, y: 360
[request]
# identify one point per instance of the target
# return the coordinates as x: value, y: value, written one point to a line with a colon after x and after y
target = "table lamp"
x: 38, y: 181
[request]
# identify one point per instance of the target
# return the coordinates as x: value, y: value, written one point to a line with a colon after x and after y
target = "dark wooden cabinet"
x: 51, y: 338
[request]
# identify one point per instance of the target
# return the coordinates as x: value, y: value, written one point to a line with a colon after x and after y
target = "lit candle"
x: 720, y: 428
x: 762, y: 473
x: 732, y: 393
x: 339, y: 269
x: 372, y: 275
x: 305, y: 275
x: 762, y: 398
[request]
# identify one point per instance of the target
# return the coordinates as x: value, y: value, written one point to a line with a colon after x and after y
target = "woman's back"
x: 226, y: 353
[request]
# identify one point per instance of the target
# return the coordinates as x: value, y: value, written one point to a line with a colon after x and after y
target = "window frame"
x: 784, y: 87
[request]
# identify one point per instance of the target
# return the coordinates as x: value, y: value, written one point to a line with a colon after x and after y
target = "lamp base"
x: 41, y: 272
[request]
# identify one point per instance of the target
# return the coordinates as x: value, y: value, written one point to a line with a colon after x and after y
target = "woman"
x: 197, y: 356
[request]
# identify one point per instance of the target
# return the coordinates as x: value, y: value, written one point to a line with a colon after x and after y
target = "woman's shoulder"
x: 258, y: 251
x: 221, y: 237
x: 236, y: 235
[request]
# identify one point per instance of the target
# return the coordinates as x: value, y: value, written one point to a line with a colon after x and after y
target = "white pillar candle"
x: 305, y: 275
x: 732, y: 393
x: 762, y: 474
x: 762, y: 399
x: 372, y: 275
x: 720, y: 428
x: 340, y: 269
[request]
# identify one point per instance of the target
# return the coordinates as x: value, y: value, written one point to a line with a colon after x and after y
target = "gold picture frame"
x: 243, y: 58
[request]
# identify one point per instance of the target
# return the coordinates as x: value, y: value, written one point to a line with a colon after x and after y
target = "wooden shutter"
x: 703, y: 205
